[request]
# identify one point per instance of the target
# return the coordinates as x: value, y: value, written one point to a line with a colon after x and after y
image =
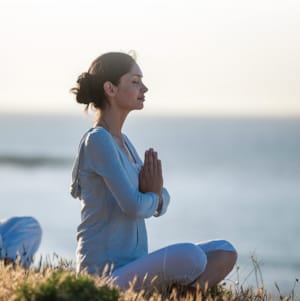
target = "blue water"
x: 232, y: 178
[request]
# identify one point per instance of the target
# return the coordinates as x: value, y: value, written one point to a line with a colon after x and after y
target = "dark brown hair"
x: 110, y: 67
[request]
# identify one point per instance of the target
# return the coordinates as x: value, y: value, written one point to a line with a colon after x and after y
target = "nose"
x: 145, y: 89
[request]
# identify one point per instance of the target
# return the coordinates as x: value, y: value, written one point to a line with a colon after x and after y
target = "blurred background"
x: 222, y: 109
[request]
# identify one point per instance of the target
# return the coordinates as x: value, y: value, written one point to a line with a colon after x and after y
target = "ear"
x: 109, y: 89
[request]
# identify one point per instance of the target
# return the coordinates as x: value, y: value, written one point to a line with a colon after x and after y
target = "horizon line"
x: 157, y: 114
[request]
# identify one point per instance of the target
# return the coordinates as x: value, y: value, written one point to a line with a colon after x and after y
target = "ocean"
x: 231, y: 178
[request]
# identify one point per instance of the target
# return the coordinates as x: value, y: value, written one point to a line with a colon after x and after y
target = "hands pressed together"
x: 150, y: 177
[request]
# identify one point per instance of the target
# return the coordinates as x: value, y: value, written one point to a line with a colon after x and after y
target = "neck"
x: 113, y: 121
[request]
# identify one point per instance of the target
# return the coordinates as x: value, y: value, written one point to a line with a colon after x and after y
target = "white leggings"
x: 179, y: 263
x: 20, y: 237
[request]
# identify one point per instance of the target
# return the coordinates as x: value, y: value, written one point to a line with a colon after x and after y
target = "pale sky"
x: 198, y: 57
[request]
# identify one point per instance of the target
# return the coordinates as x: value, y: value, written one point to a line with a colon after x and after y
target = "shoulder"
x: 98, y: 135
x: 99, y: 140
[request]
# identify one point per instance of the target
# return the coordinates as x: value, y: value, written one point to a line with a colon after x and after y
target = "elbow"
x: 136, y: 213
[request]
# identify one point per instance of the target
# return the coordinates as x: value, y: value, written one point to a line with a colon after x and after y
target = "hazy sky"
x: 202, y: 57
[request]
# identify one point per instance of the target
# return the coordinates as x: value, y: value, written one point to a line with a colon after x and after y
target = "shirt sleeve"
x: 165, y: 203
x: 103, y: 158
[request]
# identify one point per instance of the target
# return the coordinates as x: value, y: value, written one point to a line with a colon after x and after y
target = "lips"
x: 141, y: 98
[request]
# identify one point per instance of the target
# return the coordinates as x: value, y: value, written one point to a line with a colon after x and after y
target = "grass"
x: 54, y: 279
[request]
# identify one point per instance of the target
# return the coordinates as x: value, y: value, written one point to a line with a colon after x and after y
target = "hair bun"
x: 84, y: 76
x: 83, y: 91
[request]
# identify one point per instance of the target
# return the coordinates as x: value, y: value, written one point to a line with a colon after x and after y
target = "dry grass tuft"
x: 55, y: 279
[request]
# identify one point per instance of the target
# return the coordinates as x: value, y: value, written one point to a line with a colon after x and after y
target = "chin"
x: 140, y: 106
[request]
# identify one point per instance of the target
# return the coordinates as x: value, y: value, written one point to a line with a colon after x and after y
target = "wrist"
x: 159, y: 206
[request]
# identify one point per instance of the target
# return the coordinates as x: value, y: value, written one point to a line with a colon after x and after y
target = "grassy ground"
x: 50, y: 281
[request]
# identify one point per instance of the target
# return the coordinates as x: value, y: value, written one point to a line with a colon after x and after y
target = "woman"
x: 118, y: 191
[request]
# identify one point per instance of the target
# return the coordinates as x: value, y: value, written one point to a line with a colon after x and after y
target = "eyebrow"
x: 138, y: 75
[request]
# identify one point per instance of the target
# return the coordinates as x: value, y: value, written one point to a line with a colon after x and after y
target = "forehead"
x: 135, y: 70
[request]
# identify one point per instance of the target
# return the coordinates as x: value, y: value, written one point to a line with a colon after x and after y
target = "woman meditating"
x: 118, y: 191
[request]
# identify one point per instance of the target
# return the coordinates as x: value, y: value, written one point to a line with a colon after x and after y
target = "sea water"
x: 231, y: 178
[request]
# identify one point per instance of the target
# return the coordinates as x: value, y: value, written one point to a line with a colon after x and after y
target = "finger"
x: 155, y: 163
x: 145, y: 156
x: 146, y: 162
x: 150, y: 163
x: 159, y: 167
x: 149, y: 153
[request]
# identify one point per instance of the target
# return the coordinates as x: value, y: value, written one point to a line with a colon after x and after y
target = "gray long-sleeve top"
x: 112, y: 229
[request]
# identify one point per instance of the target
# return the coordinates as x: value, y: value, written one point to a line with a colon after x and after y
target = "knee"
x: 30, y: 231
x: 32, y: 226
x: 21, y: 225
x: 196, y: 261
x: 195, y: 258
x: 188, y: 261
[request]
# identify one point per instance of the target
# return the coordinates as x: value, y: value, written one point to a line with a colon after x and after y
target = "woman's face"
x: 130, y: 94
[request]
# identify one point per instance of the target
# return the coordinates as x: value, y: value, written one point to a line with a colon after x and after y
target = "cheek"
x: 127, y: 97
x: 131, y: 92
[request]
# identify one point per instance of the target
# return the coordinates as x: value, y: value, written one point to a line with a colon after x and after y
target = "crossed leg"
x: 183, y: 264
